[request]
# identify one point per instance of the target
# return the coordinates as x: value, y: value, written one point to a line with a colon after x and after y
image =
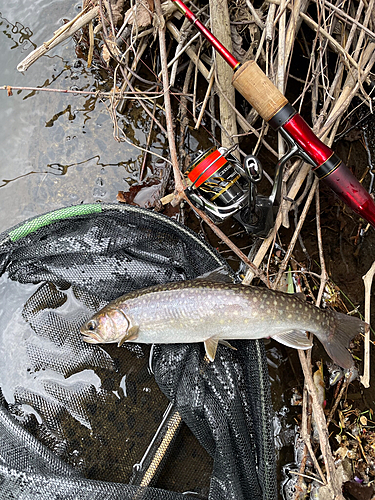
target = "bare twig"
x: 147, y: 146
x: 335, y: 45
x: 185, y: 30
x: 255, y: 15
x: 367, y: 278
x: 220, y: 26
x: 184, y: 121
x: 344, y: 15
x: 350, y: 89
x: 292, y: 193
x: 205, y: 100
x: 60, y: 35
x: 305, y: 433
x: 323, y: 274
x: 189, y: 51
x: 343, y: 388
x: 293, y: 241
x: 257, y: 272
x: 333, y: 482
x: 118, y: 93
x: 179, y: 185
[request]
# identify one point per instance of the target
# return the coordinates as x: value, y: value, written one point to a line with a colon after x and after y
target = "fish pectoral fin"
x: 210, y: 346
x: 130, y: 336
x: 133, y: 332
x: 227, y: 344
x: 122, y: 340
x: 294, y: 338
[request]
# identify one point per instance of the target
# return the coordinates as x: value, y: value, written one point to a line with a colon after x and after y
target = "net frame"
x: 231, y: 477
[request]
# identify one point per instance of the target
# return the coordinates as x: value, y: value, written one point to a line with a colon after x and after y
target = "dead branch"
x: 367, y: 278
x: 179, y: 186
x: 220, y: 26
x: 60, y: 35
x: 333, y: 482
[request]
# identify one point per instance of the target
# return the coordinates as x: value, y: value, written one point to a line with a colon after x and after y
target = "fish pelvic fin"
x: 336, y: 343
x: 294, y: 338
x: 210, y: 346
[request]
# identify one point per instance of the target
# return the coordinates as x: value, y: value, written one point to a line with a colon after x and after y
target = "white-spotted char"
x: 205, y: 311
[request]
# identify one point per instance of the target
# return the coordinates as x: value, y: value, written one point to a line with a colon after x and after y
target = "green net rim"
x: 46, y: 219
x: 20, y: 231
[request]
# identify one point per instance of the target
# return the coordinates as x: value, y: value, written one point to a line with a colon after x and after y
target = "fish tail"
x: 336, y: 343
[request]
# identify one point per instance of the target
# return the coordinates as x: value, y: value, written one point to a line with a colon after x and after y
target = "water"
x: 19, y: 343
x: 78, y: 395
x: 55, y: 149
x: 15, y: 365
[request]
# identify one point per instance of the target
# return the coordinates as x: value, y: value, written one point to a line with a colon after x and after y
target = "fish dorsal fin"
x: 210, y: 346
x: 294, y: 338
x: 300, y: 295
x: 218, y: 275
x: 130, y: 336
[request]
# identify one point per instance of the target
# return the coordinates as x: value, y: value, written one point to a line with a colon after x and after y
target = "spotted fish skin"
x: 205, y: 311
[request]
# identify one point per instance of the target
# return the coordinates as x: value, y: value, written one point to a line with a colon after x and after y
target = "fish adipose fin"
x: 294, y: 338
x: 210, y: 346
x: 337, y: 342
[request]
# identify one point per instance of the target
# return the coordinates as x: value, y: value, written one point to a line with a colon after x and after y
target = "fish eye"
x: 91, y: 325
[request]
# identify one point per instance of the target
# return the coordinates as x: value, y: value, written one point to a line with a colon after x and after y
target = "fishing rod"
x: 275, y: 109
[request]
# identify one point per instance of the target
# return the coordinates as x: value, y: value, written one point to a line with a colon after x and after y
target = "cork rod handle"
x: 258, y: 90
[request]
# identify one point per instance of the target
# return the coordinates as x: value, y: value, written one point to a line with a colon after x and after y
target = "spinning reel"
x: 222, y: 187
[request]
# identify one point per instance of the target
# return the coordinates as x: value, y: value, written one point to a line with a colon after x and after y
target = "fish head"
x: 109, y: 325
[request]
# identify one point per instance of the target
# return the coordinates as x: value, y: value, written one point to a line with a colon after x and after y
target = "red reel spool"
x: 215, y: 177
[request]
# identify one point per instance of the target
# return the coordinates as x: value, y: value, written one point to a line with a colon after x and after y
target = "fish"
x: 211, y: 311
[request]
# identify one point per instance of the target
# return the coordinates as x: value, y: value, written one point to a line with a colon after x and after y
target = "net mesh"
x: 83, y: 421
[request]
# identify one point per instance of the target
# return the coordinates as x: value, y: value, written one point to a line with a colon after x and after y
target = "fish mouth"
x: 91, y: 338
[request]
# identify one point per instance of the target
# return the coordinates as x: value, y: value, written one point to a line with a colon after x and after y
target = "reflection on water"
x: 57, y: 149
x: 20, y: 35
x: 15, y: 366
